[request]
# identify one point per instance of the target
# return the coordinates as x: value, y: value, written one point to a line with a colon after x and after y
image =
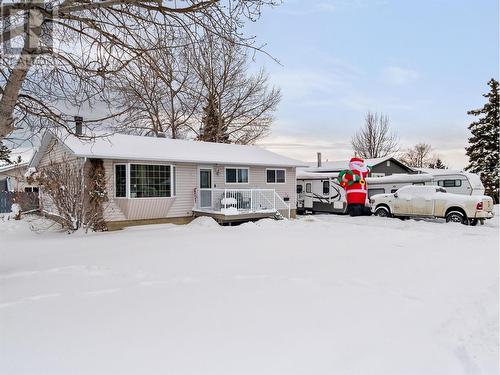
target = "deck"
x: 237, y: 205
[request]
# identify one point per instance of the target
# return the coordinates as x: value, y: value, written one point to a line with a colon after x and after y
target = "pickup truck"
x: 433, y: 201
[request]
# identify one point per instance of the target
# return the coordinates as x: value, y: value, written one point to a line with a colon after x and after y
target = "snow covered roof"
x: 9, y: 167
x: 440, y: 172
x: 23, y: 153
x: 123, y: 147
x: 305, y: 175
x: 400, y: 178
x: 339, y: 165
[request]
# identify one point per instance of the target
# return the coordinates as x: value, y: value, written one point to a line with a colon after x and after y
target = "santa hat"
x: 358, y: 164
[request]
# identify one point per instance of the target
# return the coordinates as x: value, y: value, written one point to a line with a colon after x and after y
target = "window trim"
x: 173, y: 180
x: 236, y: 183
x: 275, y: 176
x: 127, y: 179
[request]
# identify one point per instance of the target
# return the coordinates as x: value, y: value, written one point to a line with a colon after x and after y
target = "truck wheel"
x: 456, y: 217
x: 382, y: 212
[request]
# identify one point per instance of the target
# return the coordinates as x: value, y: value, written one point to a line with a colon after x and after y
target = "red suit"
x: 353, y: 181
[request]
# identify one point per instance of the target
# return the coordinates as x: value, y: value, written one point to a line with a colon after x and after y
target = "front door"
x: 205, y: 188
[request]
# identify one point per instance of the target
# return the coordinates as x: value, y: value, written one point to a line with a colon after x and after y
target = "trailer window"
x: 308, y: 187
x: 450, y: 183
x: 299, y: 189
x: 372, y: 192
x: 393, y: 191
x: 326, y: 187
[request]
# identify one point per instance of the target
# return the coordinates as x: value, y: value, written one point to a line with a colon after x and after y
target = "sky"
x: 423, y: 63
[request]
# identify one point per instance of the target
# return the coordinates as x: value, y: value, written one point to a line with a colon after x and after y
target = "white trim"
x: 236, y: 183
x: 275, y: 176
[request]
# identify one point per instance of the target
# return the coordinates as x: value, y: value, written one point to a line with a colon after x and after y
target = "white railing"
x: 240, y: 201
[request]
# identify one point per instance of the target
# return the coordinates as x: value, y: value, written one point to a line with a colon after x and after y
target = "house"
x: 380, y: 167
x: 160, y: 180
x: 12, y: 178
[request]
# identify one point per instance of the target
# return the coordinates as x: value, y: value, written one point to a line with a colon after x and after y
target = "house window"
x: 31, y: 189
x: 308, y: 187
x: 326, y: 187
x: 120, y: 180
x: 388, y: 163
x: 299, y: 189
x: 276, y: 176
x: 150, y: 181
x: 236, y: 175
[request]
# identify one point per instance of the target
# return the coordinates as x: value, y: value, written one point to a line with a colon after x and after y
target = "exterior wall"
x: 119, y: 209
x: 393, y: 168
x: 56, y: 153
x: 258, y: 180
x: 123, y: 209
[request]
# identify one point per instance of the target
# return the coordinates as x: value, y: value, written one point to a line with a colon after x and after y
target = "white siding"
x: 56, y: 153
x: 187, y: 181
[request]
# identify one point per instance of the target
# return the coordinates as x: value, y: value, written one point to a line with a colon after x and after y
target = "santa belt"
x: 356, y: 191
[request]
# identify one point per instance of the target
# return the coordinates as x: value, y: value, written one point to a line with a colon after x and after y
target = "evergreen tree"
x: 4, y: 154
x: 438, y: 164
x: 213, y: 129
x: 483, y: 145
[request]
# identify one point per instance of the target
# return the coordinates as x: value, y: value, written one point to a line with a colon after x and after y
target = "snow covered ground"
x: 319, y: 295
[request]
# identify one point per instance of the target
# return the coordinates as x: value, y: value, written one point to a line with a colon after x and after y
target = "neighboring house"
x: 379, y: 167
x: 153, y: 180
x: 12, y: 178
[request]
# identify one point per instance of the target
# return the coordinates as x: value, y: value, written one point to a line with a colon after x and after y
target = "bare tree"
x: 418, y: 156
x: 375, y: 139
x: 162, y: 95
x: 67, y: 197
x: 69, y: 49
x: 244, y: 102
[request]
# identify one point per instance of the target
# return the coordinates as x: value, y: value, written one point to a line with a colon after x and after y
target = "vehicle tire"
x: 382, y: 211
x: 457, y: 217
x: 473, y: 222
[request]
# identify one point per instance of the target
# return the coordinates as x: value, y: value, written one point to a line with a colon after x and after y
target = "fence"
x: 27, y: 200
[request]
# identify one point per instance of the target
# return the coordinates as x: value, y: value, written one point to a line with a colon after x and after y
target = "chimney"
x: 319, y: 159
x: 78, y: 125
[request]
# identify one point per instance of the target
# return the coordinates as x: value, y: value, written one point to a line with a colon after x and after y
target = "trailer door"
x: 308, y: 195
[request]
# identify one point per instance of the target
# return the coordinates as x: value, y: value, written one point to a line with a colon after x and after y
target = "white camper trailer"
x: 458, y: 182
x: 321, y: 192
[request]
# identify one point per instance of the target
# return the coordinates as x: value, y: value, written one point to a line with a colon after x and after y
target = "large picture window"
x: 236, y: 175
x: 150, y: 181
x: 276, y: 176
x: 144, y: 181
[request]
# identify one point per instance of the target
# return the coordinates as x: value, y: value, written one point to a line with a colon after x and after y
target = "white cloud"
x: 399, y: 76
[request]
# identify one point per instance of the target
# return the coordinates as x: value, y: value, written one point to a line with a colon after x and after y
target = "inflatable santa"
x: 353, y: 181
